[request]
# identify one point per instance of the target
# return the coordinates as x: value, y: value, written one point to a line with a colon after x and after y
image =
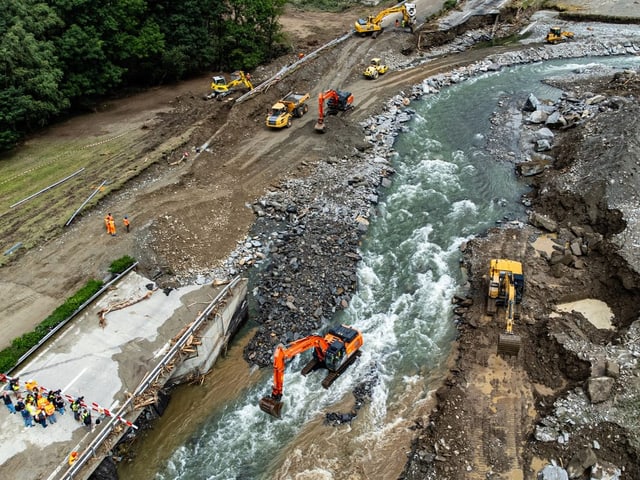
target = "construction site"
x: 190, y: 173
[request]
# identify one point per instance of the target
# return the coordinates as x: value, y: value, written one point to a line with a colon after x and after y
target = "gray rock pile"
x: 606, y: 395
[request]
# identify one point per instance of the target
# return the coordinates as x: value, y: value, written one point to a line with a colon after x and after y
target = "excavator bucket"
x: 509, y: 344
x: 319, y: 127
x: 271, y: 406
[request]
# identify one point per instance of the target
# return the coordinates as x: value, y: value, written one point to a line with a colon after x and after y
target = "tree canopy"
x: 56, y: 55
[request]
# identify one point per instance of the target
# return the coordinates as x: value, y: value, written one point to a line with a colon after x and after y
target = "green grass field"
x: 44, y: 161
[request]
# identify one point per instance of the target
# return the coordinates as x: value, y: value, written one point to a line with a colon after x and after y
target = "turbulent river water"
x: 446, y: 190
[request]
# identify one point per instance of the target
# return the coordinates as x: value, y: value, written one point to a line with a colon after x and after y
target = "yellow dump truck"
x: 291, y: 105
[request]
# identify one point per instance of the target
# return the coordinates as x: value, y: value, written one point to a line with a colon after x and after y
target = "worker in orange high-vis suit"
x: 42, y: 402
x: 107, y: 220
x: 126, y: 222
x: 112, y: 227
x: 50, y: 413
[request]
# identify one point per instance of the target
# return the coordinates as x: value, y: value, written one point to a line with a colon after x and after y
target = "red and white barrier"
x: 70, y: 399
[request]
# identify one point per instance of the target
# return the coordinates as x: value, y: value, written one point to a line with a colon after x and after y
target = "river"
x: 447, y: 189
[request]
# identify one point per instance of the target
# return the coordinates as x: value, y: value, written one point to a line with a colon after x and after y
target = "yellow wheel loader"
x: 506, y: 288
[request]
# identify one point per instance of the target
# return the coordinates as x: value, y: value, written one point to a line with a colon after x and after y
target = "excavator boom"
x: 335, y: 351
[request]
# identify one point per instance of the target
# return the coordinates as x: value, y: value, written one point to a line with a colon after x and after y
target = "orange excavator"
x: 337, y: 100
x: 335, y: 351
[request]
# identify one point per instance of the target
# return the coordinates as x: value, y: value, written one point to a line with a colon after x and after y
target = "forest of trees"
x: 58, y: 55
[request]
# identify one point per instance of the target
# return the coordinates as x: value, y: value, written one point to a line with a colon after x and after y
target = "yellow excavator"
x: 335, y: 352
x: 372, y: 25
x: 220, y: 88
x: 557, y: 35
x: 506, y: 288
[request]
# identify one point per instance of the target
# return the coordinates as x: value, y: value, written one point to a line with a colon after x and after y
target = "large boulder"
x: 542, y: 221
x: 553, y: 472
x: 580, y: 462
x: 605, y: 471
x: 599, y: 389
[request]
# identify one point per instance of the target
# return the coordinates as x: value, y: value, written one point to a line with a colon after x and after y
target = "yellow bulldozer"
x: 557, y: 35
x: 506, y: 288
x: 220, y: 88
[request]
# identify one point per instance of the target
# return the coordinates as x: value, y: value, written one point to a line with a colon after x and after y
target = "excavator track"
x: 310, y: 367
x: 333, y: 376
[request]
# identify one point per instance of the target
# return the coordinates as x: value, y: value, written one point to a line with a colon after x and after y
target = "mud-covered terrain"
x: 571, y: 395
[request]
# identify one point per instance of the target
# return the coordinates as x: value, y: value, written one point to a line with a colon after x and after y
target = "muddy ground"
x: 189, y: 216
x: 466, y: 437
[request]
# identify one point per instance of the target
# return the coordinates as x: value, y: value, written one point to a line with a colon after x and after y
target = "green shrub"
x: 21, y: 345
x: 449, y: 4
x: 121, y: 264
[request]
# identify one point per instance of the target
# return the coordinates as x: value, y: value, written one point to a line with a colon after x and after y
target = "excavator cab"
x: 217, y: 80
x: 335, y: 355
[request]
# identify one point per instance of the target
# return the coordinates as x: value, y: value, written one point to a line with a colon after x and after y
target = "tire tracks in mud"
x: 499, y: 405
x: 264, y: 150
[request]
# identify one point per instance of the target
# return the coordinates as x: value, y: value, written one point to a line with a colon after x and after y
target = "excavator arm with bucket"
x: 334, y: 352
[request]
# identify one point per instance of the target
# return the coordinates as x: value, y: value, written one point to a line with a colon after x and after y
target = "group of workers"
x: 36, y: 406
x: 110, y: 224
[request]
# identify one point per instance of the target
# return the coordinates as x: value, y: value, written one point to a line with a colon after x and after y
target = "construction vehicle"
x: 557, y: 35
x: 336, y: 351
x: 291, y: 105
x: 337, y: 100
x: 506, y: 288
x: 220, y: 88
x: 375, y: 68
x: 372, y: 25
